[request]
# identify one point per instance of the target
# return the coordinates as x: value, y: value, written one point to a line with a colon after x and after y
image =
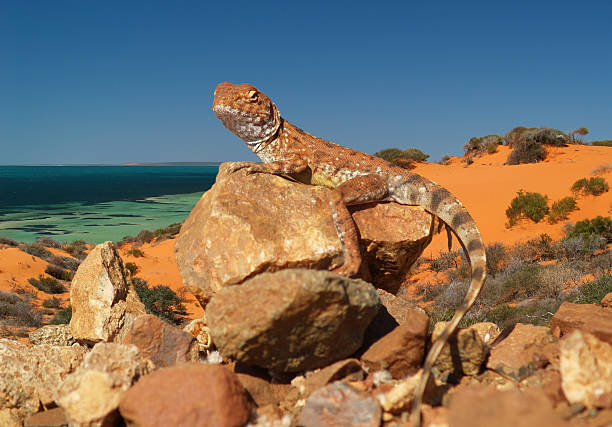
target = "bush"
x: 598, y: 170
x: 63, y: 316
x: 9, y: 242
x: 136, y: 253
x: 598, y: 226
x: 595, y: 186
x: 161, y: 301
x: 530, y: 205
x: 49, y: 242
x: 524, y: 283
x: 445, y: 160
x: 526, y: 151
x: 52, y: 302
x: 593, y: 292
x: 561, y: 209
x: 17, y: 311
x: 492, y: 148
x: 132, y: 268
x: 605, y: 143
x: 65, y: 262
x: 77, y: 249
x: 58, y: 273
x: 37, y: 251
x: 496, y: 257
x: 413, y: 154
x: 468, y: 161
x: 516, y: 135
x: 47, y: 284
x: 478, y: 145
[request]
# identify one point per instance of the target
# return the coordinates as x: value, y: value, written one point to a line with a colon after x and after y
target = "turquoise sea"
x: 96, y: 203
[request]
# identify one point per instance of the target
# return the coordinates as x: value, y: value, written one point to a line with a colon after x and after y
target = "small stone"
x: 523, y: 351
x: 104, y: 303
x: 348, y: 369
x: 586, y: 370
x: 298, y: 319
x: 164, y: 344
x: 549, y: 382
x: 485, y: 406
x: 191, y: 394
x: 466, y: 345
x: 339, y: 404
x: 590, y: 318
x: 400, y: 396
x: 401, y: 351
x: 607, y: 300
x: 487, y: 331
x: 90, y: 395
x: 59, y: 335
x: 55, y: 417
x: 199, y: 329
x: 262, y: 391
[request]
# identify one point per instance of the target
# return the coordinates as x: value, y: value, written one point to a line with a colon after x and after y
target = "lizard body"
x: 354, y: 178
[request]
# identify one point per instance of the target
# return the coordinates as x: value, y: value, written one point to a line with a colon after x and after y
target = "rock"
x: 400, y: 396
x: 262, y: 391
x: 104, y: 304
x: 298, y: 319
x: 339, y: 404
x: 590, y: 318
x: 55, y: 417
x: 53, y: 335
x: 348, y: 369
x: 393, y: 312
x: 163, y: 344
x: 269, y: 223
x: 90, y: 395
x: 187, y: 395
x: 9, y: 418
x: 464, y: 352
x: 393, y: 236
x: 607, y: 300
x: 201, y: 332
x: 30, y: 376
x: 525, y: 349
x: 586, y: 370
x: 402, y: 350
x: 487, y: 331
x: 547, y: 381
x: 484, y: 406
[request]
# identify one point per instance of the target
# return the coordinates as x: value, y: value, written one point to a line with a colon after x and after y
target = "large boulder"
x: 590, y: 318
x: 187, y: 395
x: 30, y: 376
x: 269, y: 223
x: 297, y: 319
x: 90, y: 395
x: 104, y: 302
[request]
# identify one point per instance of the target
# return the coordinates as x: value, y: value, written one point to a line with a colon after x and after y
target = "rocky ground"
x: 285, y: 342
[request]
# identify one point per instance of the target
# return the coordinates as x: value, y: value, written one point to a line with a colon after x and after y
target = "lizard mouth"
x: 252, y: 128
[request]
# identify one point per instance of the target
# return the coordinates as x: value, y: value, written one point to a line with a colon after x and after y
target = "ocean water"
x: 96, y: 203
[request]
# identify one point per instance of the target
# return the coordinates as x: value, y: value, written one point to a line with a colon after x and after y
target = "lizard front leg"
x: 359, y: 190
x: 279, y: 167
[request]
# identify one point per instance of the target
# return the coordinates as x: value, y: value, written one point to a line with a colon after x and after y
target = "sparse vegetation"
x: 599, y: 170
x: 49, y: 243
x: 15, y: 311
x: 445, y: 160
x: 561, y: 209
x: 605, y: 143
x: 594, y: 291
x: 77, y: 249
x: 147, y: 236
x: 598, y: 226
x: 63, y: 316
x: 591, y: 186
x: 161, y: 301
x: 482, y: 144
x: 131, y: 268
x: 52, y: 302
x: 8, y: 242
x: 48, y: 285
x: 37, y: 251
x: 527, y: 205
x: 526, y: 151
x: 64, y: 262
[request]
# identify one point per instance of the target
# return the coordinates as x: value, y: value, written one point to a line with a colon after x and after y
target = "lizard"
x: 354, y: 178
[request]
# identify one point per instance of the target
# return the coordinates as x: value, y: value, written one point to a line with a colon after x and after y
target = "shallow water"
x: 96, y: 203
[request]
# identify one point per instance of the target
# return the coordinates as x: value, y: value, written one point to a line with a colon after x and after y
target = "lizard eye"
x: 252, y: 96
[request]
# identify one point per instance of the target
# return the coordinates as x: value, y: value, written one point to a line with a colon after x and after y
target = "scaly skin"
x: 354, y: 178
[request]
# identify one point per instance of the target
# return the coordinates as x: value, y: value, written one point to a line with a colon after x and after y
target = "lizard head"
x: 247, y: 112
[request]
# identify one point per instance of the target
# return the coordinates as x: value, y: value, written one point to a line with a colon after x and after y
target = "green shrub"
x: 37, y: 251
x: 561, y: 208
x: 17, y: 311
x: 132, y: 268
x: 593, y: 292
x: 77, y: 249
x: 445, y: 160
x: 524, y: 283
x: 527, y: 205
x: 65, y: 262
x: 528, y: 151
x: 47, y: 284
x: 391, y: 154
x: 63, y: 316
x: 492, y: 148
x: 496, y: 257
x: 598, y: 226
x: 58, y: 273
x: 161, y: 301
x: 8, y: 242
x: 595, y: 186
x: 516, y: 135
x: 136, y: 253
x: 605, y: 143
x: 478, y: 145
x: 52, y: 302
x: 49, y: 242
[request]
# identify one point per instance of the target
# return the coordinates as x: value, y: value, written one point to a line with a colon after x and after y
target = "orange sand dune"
x: 16, y: 267
x: 487, y: 186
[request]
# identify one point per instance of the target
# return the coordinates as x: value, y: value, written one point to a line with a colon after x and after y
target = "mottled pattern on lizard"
x: 355, y: 178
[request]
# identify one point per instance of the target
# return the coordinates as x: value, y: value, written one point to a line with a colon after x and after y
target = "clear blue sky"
x: 119, y: 81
